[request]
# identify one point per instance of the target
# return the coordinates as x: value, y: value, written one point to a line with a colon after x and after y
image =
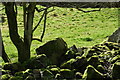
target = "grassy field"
x: 75, y: 27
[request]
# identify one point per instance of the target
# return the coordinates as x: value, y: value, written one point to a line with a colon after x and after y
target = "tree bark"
x: 28, y: 28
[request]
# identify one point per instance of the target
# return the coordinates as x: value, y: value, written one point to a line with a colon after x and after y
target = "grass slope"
x: 75, y: 27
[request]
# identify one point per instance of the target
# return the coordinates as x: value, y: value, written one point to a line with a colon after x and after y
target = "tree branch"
x: 42, y: 9
x: 36, y: 39
x: 38, y: 22
x: 45, y: 18
x: 87, y: 11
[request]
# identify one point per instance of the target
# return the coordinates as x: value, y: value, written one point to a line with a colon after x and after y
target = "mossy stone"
x: 54, y: 50
x: 92, y: 74
x: 29, y: 78
x: 78, y: 75
x: 68, y: 64
x: 116, y: 70
x: 47, y: 74
x: 5, y: 77
x: 40, y: 61
x: 16, y: 78
x: 66, y: 74
x: 94, y: 61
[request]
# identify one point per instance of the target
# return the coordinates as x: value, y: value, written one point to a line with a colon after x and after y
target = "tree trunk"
x: 28, y: 28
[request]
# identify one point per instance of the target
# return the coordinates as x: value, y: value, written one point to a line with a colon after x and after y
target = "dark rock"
x: 37, y: 74
x: 92, y: 74
x: 116, y: 71
x: 40, y: 61
x: 17, y: 78
x: 14, y: 67
x: 30, y: 77
x: 55, y: 70
x: 115, y: 37
x: 94, y: 61
x: 112, y: 45
x: 80, y: 64
x: 66, y: 74
x: 54, y: 50
x: 5, y: 77
x: 47, y: 75
x: 69, y: 64
x: 58, y: 76
x: 101, y: 69
x: 114, y: 59
x: 78, y: 75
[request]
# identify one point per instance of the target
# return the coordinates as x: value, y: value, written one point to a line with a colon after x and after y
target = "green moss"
x: 5, y: 77
x: 67, y: 73
x: 91, y: 73
x: 16, y: 78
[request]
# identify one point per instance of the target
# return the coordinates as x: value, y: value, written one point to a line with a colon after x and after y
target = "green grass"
x: 75, y: 27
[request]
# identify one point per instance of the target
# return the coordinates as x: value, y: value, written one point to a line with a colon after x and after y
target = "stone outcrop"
x: 115, y: 37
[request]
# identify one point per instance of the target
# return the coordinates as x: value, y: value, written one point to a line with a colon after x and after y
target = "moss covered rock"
x: 94, y: 61
x: 92, y: 74
x: 16, y: 78
x: 54, y: 50
x: 116, y: 71
x: 66, y: 74
x: 40, y: 61
x: 5, y: 77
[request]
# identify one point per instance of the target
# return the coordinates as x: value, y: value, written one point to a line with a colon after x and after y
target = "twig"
x: 45, y: 18
x: 38, y: 23
x: 87, y: 11
x: 16, y: 9
x: 42, y: 9
x: 36, y: 39
x: 50, y: 10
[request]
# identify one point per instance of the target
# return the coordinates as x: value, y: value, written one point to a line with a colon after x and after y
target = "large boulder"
x: 115, y: 37
x: 54, y: 50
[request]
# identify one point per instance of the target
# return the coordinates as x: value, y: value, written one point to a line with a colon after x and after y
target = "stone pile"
x: 55, y: 61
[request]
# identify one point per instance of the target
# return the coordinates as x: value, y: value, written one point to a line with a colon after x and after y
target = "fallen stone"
x: 54, y: 50
x: 92, y: 74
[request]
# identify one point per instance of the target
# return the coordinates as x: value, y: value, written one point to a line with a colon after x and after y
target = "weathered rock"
x: 115, y: 37
x: 69, y: 64
x: 78, y: 75
x: 112, y: 45
x: 66, y: 74
x: 54, y: 50
x: 94, y: 61
x: 47, y: 75
x: 40, y: 61
x: 30, y: 77
x: 55, y: 70
x: 114, y: 59
x: 14, y: 67
x: 5, y: 77
x: 80, y: 64
x: 116, y: 71
x: 16, y: 78
x: 101, y: 69
x: 92, y: 74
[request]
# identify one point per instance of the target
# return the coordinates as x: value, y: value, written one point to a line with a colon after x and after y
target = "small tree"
x: 23, y: 46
